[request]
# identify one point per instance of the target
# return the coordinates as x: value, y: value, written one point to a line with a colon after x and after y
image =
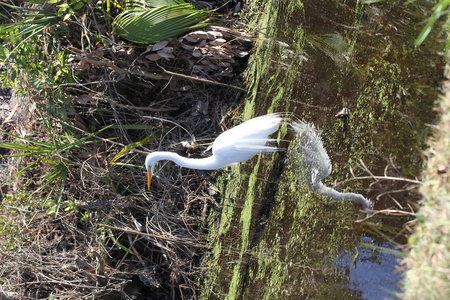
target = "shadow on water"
x: 276, y: 239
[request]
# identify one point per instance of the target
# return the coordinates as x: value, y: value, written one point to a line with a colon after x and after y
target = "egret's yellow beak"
x: 149, y: 179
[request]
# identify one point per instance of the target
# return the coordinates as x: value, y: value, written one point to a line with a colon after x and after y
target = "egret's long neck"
x: 208, y: 163
x: 332, y: 193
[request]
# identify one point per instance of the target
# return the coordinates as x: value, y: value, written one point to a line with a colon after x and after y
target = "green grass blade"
x: 128, y: 148
x: 22, y: 147
x: 43, y: 144
x: 439, y: 10
x: 83, y: 141
x: 117, y: 243
x: 19, y: 173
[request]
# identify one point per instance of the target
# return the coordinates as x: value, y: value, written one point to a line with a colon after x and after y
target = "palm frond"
x: 152, y: 3
x: 153, y: 25
x: 29, y: 23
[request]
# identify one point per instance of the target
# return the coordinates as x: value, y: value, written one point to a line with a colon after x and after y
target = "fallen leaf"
x: 122, y: 52
x: 192, y: 39
x: 160, y: 45
x: 199, y: 34
x: 197, y: 68
x: 197, y: 53
x: 228, y: 72
x: 153, y: 57
x: 213, y: 67
x: 167, y: 49
x: 82, y: 66
x: 202, y: 43
x: 166, y: 54
x: 218, y: 42
x: 223, y: 64
x: 214, y: 35
x: 187, y: 47
x: 240, y: 53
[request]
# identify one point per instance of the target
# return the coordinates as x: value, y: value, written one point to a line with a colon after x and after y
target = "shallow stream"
x: 276, y: 239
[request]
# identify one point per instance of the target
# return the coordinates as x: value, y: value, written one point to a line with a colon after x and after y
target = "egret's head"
x: 150, y: 162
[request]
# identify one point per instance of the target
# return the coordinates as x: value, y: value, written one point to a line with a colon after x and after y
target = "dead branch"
x: 379, y: 178
x: 187, y: 243
x: 390, y: 212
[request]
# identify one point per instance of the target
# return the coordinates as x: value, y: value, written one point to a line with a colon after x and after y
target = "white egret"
x: 231, y: 147
x: 316, y: 165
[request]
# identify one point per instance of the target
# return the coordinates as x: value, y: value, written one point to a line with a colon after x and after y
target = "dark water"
x: 274, y: 238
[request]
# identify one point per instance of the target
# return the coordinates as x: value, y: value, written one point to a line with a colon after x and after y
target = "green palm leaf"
x: 151, y: 3
x: 143, y: 25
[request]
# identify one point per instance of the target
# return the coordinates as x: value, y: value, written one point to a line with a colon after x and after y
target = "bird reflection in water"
x: 316, y: 165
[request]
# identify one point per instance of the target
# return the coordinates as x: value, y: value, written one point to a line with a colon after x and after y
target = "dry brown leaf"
x: 228, y: 72
x: 160, y: 45
x: 122, y: 52
x: 221, y: 56
x: 82, y: 66
x: 218, y: 42
x: 153, y: 57
x: 197, y: 35
x: 197, y: 53
x: 168, y: 49
x: 223, y: 64
x: 202, y: 43
x: 192, y: 39
x: 166, y: 53
x: 213, y: 67
x: 187, y: 47
x: 214, y: 35
x: 240, y: 53
x: 197, y: 68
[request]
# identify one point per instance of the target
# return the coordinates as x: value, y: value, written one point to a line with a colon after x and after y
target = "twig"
x: 156, y: 236
x: 366, y: 168
x: 411, y: 187
x: 379, y: 178
x: 393, y: 212
x: 202, y: 80
x: 135, y: 71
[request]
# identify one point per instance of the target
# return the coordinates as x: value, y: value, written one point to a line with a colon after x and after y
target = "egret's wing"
x: 255, y: 145
x: 253, y: 148
x: 254, y: 129
x: 247, y: 139
x: 310, y: 148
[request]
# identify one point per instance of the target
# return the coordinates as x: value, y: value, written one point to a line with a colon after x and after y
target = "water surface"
x: 276, y: 239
